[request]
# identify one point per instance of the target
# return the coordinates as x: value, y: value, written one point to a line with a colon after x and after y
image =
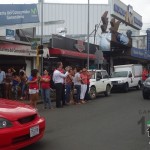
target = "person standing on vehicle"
x: 45, y: 89
x: 58, y: 78
x: 2, y: 79
x: 33, y: 81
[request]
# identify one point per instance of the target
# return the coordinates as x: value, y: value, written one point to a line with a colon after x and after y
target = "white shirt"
x: 76, y: 79
x: 2, y: 76
x: 58, y: 77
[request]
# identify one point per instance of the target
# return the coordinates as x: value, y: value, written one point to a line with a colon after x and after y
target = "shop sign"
x: 126, y: 14
x: 10, y: 34
x: 12, y: 14
x: 16, y: 50
x: 140, y: 53
x: 65, y: 43
x: 80, y: 46
x: 148, y: 39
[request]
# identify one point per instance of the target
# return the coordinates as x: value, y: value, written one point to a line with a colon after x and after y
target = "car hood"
x: 117, y: 79
x: 14, y: 110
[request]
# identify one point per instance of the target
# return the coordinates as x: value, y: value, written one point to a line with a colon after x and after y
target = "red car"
x: 20, y: 125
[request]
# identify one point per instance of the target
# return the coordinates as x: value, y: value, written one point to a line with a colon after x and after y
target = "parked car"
x: 99, y: 83
x: 127, y: 76
x: 20, y: 125
x: 146, y: 88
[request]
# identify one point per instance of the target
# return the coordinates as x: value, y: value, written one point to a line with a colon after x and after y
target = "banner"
x: 11, y: 14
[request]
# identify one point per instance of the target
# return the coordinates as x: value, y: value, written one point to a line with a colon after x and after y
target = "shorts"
x: 33, y: 91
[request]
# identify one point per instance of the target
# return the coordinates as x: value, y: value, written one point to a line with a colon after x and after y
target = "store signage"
x: 148, y: 39
x: 10, y: 34
x: 140, y: 53
x: 80, y: 46
x: 126, y: 14
x: 16, y: 50
x: 65, y: 43
x: 12, y: 14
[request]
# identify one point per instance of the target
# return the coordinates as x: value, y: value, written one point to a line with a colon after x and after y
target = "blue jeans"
x: 78, y: 88
x: 68, y: 90
x: 23, y: 88
x: 46, y: 97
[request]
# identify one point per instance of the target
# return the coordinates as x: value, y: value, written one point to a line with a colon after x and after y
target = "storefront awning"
x: 72, y: 54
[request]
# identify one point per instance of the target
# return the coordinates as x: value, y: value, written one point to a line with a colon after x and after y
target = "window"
x: 104, y: 74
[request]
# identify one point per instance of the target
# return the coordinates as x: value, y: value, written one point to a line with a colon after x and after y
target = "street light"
x: 88, y: 24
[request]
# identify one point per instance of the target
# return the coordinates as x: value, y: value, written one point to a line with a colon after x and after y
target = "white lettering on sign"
x: 18, y: 50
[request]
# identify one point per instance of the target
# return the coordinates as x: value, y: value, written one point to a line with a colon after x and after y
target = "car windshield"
x: 119, y: 74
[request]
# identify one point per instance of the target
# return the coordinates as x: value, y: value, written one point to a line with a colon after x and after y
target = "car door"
x: 104, y: 80
x: 98, y: 81
x: 131, y: 79
x: 101, y: 81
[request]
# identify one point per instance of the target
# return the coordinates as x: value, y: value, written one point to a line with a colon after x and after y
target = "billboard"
x: 11, y: 14
x: 126, y: 14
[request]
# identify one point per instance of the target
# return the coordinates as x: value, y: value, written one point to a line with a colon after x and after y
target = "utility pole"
x: 88, y: 25
x: 41, y: 41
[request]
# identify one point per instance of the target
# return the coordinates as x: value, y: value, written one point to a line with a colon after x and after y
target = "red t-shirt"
x: 84, y: 78
x: 45, y: 85
x: 144, y: 75
x: 34, y: 85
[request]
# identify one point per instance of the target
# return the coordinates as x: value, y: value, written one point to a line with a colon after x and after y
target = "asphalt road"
x: 107, y: 123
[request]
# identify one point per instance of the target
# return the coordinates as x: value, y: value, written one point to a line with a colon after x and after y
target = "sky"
x: 140, y: 6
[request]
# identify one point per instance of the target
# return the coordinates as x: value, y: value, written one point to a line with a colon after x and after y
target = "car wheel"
x: 145, y: 96
x: 126, y: 87
x: 138, y: 86
x: 108, y: 90
x: 92, y: 93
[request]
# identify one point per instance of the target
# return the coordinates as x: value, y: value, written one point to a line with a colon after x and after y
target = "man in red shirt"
x: 144, y: 74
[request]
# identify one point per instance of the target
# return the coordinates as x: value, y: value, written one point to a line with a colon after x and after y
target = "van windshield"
x: 119, y: 74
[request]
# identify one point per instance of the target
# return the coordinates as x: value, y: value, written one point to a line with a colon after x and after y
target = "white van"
x: 127, y: 76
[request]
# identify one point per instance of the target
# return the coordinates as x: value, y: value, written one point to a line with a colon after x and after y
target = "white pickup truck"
x: 127, y: 76
x: 99, y: 83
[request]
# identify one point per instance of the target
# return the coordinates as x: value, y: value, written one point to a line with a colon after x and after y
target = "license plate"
x: 34, y: 131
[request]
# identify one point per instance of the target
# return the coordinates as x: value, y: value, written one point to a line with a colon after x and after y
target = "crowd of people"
x: 18, y: 86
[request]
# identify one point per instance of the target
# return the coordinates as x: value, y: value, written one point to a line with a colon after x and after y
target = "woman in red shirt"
x: 45, y: 89
x: 84, y: 82
x: 33, y: 87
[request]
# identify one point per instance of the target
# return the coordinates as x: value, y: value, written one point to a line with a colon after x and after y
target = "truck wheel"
x: 145, y: 96
x: 108, y: 90
x: 92, y: 93
x: 126, y: 87
x: 138, y: 86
